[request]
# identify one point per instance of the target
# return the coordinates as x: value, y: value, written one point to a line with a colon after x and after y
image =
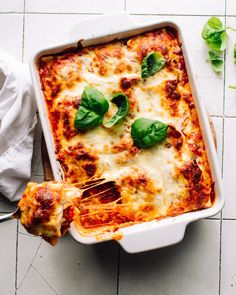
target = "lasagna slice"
x: 47, y: 209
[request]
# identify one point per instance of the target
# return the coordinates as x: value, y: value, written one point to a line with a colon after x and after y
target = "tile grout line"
x: 229, y: 219
x: 221, y: 223
x: 31, y: 265
x: 212, y: 218
x: 216, y: 116
x: 222, y: 167
x: 45, y: 280
x: 118, y: 271
x: 229, y: 117
x: 176, y: 14
x: 104, y: 12
x: 17, y: 228
x: 59, y: 13
x: 16, y: 266
x: 23, y: 36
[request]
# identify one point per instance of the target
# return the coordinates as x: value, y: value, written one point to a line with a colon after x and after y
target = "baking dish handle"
x: 154, y: 238
x: 101, y: 25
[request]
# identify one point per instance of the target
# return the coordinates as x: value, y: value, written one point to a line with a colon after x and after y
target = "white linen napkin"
x: 17, y: 122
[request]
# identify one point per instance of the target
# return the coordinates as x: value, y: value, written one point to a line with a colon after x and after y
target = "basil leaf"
x: 87, y: 119
x: 217, y: 62
x: 217, y: 41
x: 94, y: 100
x: 235, y: 53
x: 122, y: 102
x: 92, y: 109
x: 215, y: 34
x: 215, y: 23
x: 147, y: 133
x: 152, y: 64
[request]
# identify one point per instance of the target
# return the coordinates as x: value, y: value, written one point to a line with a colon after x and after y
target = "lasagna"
x: 167, y: 179
x: 47, y: 209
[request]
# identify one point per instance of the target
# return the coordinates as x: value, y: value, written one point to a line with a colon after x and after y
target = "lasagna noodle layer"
x: 166, y: 180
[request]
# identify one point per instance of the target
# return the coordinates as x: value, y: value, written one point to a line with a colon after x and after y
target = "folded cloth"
x: 17, y: 122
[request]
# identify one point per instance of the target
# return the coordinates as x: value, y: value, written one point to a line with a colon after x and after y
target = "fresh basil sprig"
x: 147, y: 133
x: 235, y: 53
x: 152, y: 64
x: 215, y: 34
x: 217, y: 61
x: 92, y: 109
x: 122, y: 102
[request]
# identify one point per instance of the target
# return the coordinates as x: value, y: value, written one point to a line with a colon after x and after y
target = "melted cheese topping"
x: 166, y: 180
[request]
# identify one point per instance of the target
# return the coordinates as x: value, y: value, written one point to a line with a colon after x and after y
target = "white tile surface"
x: 212, y: 7
x: 44, y: 30
x: 74, y: 6
x: 228, y: 269
x: 27, y: 249
x: 230, y: 77
x: 11, y: 40
x: 191, y: 267
x: 231, y: 7
x: 72, y: 268
x: 229, y: 168
x: 7, y: 257
x: 35, y: 283
x: 211, y: 91
x: 11, y: 5
x: 210, y: 84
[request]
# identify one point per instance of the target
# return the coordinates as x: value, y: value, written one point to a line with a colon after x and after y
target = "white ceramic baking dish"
x: 154, y: 234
